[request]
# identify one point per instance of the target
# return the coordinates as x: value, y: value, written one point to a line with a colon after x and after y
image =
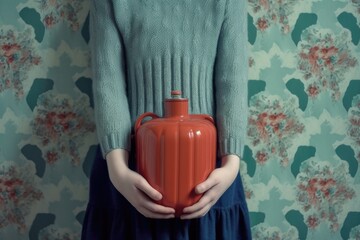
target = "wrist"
x: 231, y: 161
x: 118, y: 158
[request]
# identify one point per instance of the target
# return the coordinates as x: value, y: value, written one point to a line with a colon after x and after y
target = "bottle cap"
x: 176, y: 94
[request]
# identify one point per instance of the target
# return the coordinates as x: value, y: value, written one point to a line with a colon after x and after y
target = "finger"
x: 145, y: 202
x: 150, y: 214
x: 198, y: 206
x: 210, y: 197
x: 157, y: 208
x: 210, y: 182
x: 159, y: 216
x: 197, y: 214
x: 145, y: 187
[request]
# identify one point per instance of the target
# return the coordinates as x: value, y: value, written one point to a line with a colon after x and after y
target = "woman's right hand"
x: 134, y: 187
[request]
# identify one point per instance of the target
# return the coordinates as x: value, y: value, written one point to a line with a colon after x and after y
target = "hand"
x: 213, y: 187
x: 134, y: 187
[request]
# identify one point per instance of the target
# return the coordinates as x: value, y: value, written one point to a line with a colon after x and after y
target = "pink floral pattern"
x: 312, y: 221
x: 62, y: 124
x: 63, y: 129
x: 17, y: 57
x: 261, y: 232
x: 249, y: 193
x: 270, y: 12
x: 273, y: 124
x: 322, y: 192
x: 18, y: 193
x: 324, y: 58
x: 51, y: 233
x: 56, y: 11
x: 354, y: 124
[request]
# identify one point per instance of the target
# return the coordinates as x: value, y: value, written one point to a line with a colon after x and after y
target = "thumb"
x: 145, y: 187
x: 206, y: 185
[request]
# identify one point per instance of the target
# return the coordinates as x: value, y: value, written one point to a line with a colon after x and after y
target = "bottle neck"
x: 176, y: 108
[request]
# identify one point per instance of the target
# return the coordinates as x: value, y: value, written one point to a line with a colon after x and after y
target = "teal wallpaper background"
x: 301, y: 165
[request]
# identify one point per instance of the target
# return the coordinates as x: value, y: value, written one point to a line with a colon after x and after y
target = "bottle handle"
x: 203, y: 116
x: 141, y: 118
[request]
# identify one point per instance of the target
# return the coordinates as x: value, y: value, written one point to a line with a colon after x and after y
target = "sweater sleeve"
x: 231, y: 76
x: 112, y: 115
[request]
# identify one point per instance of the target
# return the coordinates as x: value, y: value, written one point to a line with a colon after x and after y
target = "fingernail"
x: 159, y: 196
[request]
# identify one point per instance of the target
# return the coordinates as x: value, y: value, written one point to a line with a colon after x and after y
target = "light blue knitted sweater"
x: 143, y: 49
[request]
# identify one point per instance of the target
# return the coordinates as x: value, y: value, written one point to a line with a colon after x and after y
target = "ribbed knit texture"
x: 143, y: 49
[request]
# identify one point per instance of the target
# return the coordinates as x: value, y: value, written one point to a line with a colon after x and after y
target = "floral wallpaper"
x: 301, y: 163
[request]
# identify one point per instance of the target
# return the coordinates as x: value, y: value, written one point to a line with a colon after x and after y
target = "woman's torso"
x: 169, y: 44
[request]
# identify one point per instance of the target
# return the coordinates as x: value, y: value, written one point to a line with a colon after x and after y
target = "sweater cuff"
x: 229, y: 146
x: 114, y: 141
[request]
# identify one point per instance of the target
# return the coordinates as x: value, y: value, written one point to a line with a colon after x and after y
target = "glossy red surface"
x: 177, y: 152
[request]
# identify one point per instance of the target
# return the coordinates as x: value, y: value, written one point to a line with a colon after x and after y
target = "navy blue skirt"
x: 110, y: 216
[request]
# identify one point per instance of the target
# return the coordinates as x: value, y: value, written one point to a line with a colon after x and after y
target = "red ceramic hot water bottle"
x: 177, y: 152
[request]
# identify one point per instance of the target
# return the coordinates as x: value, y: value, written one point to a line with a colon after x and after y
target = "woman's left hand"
x: 213, y: 187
